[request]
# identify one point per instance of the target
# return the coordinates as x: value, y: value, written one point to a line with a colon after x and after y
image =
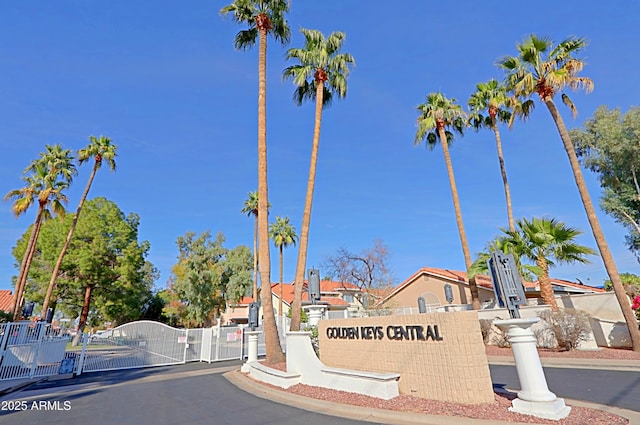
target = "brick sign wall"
x: 439, y: 356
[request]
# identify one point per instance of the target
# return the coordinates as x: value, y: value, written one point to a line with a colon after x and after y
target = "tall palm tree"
x: 250, y: 208
x: 436, y: 115
x: 101, y: 150
x: 263, y: 17
x: 547, y: 242
x: 44, y: 187
x: 545, y: 69
x: 283, y: 234
x: 321, y: 73
x: 492, y: 98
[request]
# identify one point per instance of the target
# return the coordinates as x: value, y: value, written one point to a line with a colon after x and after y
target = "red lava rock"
x: 497, y: 411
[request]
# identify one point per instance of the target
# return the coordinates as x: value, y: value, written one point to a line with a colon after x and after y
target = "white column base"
x: 534, y: 398
x: 554, y: 410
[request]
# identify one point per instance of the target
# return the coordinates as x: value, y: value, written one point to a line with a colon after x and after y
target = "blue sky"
x: 163, y: 80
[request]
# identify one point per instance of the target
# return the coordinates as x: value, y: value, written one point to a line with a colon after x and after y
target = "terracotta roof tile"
x: 331, y: 286
x: 326, y: 286
x: 6, y: 299
x: 287, y: 292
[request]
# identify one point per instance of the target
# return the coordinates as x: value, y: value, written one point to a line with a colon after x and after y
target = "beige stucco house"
x: 430, y: 282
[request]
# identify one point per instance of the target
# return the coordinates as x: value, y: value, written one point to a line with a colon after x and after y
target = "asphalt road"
x: 195, y: 393
x: 612, y: 388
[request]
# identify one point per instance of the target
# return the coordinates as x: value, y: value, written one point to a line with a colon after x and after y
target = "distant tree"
x: 205, y: 276
x: 546, y: 70
x: 236, y: 273
x: 104, y: 275
x: 173, y: 309
x: 198, y: 276
x: 250, y: 208
x: 368, y: 269
x: 263, y: 18
x: 320, y: 73
x: 491, y: 98
x: 609, y: 145
x: 100, y: 149
x: 438, y: 115
x: 283, y: 234
x: 46, y: 178
x: 153, y: 309
x: 631, y: 284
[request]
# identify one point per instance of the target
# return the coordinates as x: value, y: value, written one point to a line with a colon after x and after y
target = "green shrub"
x: 5, y: 316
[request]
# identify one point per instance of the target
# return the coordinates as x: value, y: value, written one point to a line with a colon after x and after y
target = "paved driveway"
x: 195, y: 393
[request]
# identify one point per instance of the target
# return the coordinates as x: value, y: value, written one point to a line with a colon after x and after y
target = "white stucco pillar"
x: 252, y: 349
x: 534, y: 397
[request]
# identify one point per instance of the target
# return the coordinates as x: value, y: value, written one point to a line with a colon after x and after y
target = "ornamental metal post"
x: 507, y: 286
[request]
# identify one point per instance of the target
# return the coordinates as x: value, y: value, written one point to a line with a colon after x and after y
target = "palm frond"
x: 319, y: 60
x: 569, y: 103
x: 246, y: 39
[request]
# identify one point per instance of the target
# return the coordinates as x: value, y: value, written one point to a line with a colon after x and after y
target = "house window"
x: 348, y: 298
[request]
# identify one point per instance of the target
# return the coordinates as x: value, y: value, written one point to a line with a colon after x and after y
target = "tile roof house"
x: 339, y: 297
x: 429, y: 283
x: 6, y: 300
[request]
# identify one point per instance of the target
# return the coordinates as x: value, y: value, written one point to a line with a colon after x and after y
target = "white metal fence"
x: 147, y: 343
x: 30, y: 350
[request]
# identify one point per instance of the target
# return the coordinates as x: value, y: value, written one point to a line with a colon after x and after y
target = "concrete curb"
x: 573, y: 363
x: 240, y: 380
x: 19, y: 385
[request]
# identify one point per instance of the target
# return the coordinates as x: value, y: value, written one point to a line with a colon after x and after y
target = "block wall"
x: 439, y: 356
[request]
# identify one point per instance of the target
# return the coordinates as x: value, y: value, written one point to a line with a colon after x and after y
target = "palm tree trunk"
x: 16, y: 302
x: 598, y: 235
x: 503, y: 172
x: 63, y: 251
x: 27, y: 259
x: 18, y: 287
x: 255, y: 259
x: 272, y: 341
x: 306, y: 216
x: 475, y: 299
x: 546, y: 290
x: 84, y: 315
x: 281, y: 264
